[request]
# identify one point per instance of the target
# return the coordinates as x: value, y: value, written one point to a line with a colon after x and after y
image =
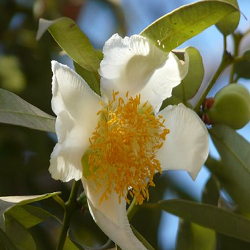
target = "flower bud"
x: 231, y: 107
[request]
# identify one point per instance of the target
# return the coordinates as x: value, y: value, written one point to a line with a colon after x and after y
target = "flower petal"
x: 111, y: 217
x: 71, y: 102
x: 186, y: 146
x: 164, y: 79
x: 72, y: 93
x: 73, y: 141
x: 134, y: 64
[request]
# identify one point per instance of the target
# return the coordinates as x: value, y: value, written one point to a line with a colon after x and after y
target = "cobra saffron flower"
x: 116, y: 142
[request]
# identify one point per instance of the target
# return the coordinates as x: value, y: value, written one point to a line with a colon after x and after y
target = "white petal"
x: 135, y: 65
x: 76, y: 106
x: 73, y: 141
x: 186, y: 146
x: 72, y: 93
x: 164, y: 79
x: 111, y: 217
x: 128, y: 64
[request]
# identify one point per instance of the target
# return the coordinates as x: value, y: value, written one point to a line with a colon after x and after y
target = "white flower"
x: 116, y: 142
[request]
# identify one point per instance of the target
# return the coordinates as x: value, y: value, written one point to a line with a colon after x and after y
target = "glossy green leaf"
x: 178, y: 26
x: 211, y: 191
x: 229, y: 23
x: 8, y: 202
x: 72, y: 40
x: 5, y: 242
x: 235, y: 168
x: 194, y: 237
x: 16, y: 111
x: 191, y: 83
x: 92, y: 79
x: 220, y: 220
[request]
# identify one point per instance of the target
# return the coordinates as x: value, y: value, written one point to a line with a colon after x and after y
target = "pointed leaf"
x: 72, y: 40
x: 173, y: 29
x: 235, y: 168
x: 28, y: 216
x: 8, y: 202
x: 16, y: 111
x: 220, y: 220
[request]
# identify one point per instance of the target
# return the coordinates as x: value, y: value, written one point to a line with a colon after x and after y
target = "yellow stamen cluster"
x: 123, y: 148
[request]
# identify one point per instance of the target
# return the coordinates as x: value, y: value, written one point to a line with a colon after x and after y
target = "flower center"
x: 123, y: 148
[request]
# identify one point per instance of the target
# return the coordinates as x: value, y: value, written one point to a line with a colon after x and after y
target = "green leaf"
x: 220, y: 220
x: 235, y: 168
x: 84, y: 232
x: 173, y: 29
x: 142, y: 239
x: 16, y: 111
x: 72, y: 40
x: 19, y: 235
x: 229, y: 243
x: 69, y: 245
x: 229, y: 23
x: 242, y: 67
x: 28, y: 216
x: 191, y: 83
x: 92, y: 79
x: 8, y: 202
x: 211, y: 191
x: 194, y: 237
x: 246, y: 55
x: 5, y: 242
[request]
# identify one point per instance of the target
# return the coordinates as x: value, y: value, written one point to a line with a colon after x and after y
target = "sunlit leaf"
x: 194, y: 237
x: 16, y: 111
x: 220, y: 220
x: 229, y: 23
x: 178, y: 26
x: 235, y: 168
x: 72, y: 40
x: 191, y: 83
